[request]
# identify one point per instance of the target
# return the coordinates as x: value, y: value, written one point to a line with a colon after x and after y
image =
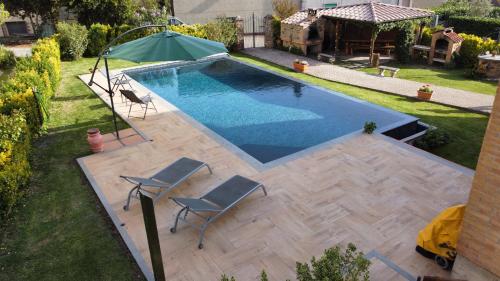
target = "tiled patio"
x: 368, y: 189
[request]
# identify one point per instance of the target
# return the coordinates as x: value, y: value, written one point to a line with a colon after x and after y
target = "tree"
x: 284, y: 8
x: 480, y: 8
x: 112, y: 12
x: 37, y: 11
x: 4, y: 14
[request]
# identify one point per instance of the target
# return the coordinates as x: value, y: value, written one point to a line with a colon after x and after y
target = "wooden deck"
x: 366, y: 190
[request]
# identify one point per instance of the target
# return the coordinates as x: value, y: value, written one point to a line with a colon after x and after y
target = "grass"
x: 59, y: 231
x: 452, y: 78
x: 467, y: 129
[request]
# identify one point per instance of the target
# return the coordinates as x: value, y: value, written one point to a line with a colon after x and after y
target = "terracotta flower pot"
x: 95, y: 140
x: 299, y: 67
x: 424, y: 95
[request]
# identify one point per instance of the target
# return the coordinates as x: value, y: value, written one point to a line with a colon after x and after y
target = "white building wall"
x: 201, y: 11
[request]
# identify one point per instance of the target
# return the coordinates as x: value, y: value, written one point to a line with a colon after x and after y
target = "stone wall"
x: 240, y: 34
x: 480, y: 237
x: 268, y: 32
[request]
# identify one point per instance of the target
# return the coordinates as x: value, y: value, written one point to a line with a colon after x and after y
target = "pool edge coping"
x: 136, y: 254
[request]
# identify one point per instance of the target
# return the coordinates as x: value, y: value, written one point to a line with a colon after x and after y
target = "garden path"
x: 453, y: 97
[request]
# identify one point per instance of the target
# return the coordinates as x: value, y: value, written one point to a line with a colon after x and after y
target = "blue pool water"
x: 264, y: 114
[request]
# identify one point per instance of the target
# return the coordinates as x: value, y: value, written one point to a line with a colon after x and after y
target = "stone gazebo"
x: 369, y: 26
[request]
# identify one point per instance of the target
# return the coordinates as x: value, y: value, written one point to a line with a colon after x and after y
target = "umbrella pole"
x: 110, y: 91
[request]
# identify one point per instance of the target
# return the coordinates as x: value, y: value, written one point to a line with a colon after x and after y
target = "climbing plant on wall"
x: 405, y: 37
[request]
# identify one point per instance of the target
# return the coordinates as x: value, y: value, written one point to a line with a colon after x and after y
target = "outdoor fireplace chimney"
x: 311, y: 14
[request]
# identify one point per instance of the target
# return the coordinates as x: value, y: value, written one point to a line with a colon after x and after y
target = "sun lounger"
x: 143, y: 101
x: 166, y: 179
x: 117, y: 80
x: 216, y: 202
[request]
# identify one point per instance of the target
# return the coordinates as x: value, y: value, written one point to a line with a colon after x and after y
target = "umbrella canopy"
x: 166, y: 46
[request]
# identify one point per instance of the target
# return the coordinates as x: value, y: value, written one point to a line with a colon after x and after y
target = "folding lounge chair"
x: 117, y: 80
x: 143, y: 101
x: 166, y: 179
x: 216, y: 202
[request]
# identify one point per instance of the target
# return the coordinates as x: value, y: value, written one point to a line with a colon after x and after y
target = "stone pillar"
x: 268, y: 32
x: 240, y: 34
x: 480, y: 236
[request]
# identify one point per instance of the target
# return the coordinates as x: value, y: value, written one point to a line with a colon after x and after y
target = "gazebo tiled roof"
x: 373, y: 12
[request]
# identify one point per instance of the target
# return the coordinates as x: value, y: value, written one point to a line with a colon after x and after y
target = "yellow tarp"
x: 443, y: 229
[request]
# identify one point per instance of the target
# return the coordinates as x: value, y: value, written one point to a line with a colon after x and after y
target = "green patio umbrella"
x: 162, y: 46
x: 166, y: 46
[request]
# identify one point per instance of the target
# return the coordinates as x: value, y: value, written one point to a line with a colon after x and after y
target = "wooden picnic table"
x: 361, y: 44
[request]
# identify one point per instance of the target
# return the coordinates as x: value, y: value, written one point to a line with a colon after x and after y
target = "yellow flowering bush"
x: 473, y: 46
x: 195, y: 30
x: 14, y: 154
x: 24, y: 101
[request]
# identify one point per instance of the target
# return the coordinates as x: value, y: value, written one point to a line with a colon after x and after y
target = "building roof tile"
x: 372, y: 12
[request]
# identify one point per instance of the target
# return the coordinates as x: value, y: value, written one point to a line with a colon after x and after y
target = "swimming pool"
x: 266, y: 115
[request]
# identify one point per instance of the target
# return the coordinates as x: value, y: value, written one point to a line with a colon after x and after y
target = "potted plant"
x: 425, y: 92
x: 369, y: 127
x: 300, y: 66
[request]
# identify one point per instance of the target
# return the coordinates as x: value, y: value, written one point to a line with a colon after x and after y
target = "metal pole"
x: 253, y: 28
x: 148, y: 213
x: 111, y: 94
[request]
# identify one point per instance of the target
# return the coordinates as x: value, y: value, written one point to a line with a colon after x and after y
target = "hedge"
x: 24, y: 100
x: 480, y: 26
x: 72, y: 39
x: 14, y: 154
x: 99, y: 35
x: 98, y: 38
x: 473, y: 46
x: 34, y: 83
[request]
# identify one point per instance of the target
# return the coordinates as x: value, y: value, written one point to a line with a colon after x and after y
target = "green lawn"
x: 60, y: 231
x: 453, y: 78
x: 467, y: 129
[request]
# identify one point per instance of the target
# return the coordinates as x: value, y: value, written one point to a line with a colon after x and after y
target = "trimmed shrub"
x: 30, y: 92
x: 222, y: 30
x: 404, y: 41
x: 14, y: 165
x: 433, y: 139
x: 473, y: 46
x: 427, y: 34
x: 46, y: 57
x: 72, y: 39
x: 24, y: 100
x: 480, y: 26
x: 34, y: 83
x: 195, y: 30
x: 98, y: 38
x: 7, y: 58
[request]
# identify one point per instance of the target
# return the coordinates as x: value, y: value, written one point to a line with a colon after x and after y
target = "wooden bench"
x: 326, y: 58
x: 382, y: 70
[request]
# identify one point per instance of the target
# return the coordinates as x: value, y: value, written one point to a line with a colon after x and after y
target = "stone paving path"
x: 471, y: 101
x: 21, y: 51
